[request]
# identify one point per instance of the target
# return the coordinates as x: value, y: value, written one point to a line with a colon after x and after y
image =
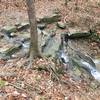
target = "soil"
x: 26, y: 84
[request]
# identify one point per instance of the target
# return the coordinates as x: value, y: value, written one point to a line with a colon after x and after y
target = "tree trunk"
x: 34, y: 50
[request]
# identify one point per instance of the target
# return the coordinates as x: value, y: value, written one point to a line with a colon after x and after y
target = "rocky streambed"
x: 71, y: 48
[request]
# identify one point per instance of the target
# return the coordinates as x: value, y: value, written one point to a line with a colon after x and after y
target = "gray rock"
x: 13, y: 34
x: 50, y: 46
x: 97, y: 63
x: 79, y: 35
x: 41, y: 26
x: 50, y: 19
x: 10, y: 51
x: 61, y: 25
x: 13, y: 50
x: 8, y: 29
x: 75, y: 33
x: 23, y: 26
x: 56, y: 11
x: 17, y: 24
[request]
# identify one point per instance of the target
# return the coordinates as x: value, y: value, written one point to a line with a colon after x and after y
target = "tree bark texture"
x: 34, y: 50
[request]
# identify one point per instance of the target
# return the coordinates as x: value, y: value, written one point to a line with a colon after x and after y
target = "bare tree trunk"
x: 34, y: 50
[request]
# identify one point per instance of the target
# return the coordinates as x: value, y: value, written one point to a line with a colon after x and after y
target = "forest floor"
x: 19, y: 83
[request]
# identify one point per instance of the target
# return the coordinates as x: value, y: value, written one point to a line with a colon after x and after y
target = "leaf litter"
x: 17, y: 82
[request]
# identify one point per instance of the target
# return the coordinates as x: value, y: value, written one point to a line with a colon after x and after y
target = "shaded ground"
x: 37, y: 85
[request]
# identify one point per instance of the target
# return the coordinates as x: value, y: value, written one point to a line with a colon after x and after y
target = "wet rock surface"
x: 52, y: 44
